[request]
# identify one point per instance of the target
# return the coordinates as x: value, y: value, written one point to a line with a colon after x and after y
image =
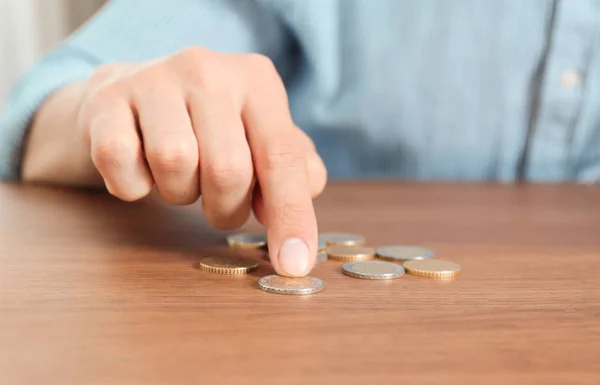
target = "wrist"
x: 55, y: 151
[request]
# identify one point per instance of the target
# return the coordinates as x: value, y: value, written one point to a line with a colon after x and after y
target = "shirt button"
x: 570, y: 79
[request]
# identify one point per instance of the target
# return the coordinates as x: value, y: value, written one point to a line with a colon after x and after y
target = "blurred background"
x: 31, y: 28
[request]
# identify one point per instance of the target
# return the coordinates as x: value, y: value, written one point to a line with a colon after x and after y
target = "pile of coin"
x: 363, y: 262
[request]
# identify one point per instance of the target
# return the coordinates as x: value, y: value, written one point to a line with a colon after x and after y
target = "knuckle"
x: 103, y: 95
x: 192, y: 54
x: 264, y: 75
x: 97, y: 103
x: 150, y: 77
x: 199, y: 78
x: 197, y: 67
x: 290, y: 214
x: 283, y: 157
x: 151, y: 84
x: 113, y: 152
x: 107, y: 83
x: 261, y: 63
x: 104, y: 72
x: 174, y: 156
x: 229, y: 173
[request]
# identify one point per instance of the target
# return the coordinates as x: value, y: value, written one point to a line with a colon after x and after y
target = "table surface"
x: 98, y: 291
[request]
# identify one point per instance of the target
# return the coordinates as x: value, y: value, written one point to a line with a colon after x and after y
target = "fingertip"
x: 293, y: 240
x: 294, y: 258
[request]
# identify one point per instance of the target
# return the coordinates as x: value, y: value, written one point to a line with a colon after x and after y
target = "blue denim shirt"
x: 413, y: 89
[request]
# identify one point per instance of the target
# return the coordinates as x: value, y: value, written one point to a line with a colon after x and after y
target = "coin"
x: 350, y: 253
x: 247, y: 240
x: 432, y: 268
x: 404, y: 253
x: 291, y: 286
x: 228, y: 265
x: 321, y: 257
x: 330, y: 239
x: 373, y: 270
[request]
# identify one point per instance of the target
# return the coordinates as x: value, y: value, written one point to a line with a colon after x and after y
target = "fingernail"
x: 293, y: 257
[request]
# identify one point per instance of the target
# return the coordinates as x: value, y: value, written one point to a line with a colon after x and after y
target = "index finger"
x: 281, y: 171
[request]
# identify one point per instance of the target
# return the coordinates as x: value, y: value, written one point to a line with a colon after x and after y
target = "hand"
x: 200, y: 123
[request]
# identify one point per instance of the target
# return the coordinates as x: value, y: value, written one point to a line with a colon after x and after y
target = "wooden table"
x: 98, y: 291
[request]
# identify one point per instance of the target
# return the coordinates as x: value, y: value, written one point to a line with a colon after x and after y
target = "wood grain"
x: 97, y: 291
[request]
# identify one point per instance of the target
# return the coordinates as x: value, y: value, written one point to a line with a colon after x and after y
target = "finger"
x: 318, y: 177
x: 169, y: 143
x: 281, y: 168
x: 316, y: 168
x: 258, y: 206
x: 116, y: 149
x: 317, y: 173
x: 226, y: 172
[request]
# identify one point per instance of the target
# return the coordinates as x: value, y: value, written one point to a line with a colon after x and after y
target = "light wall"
x: 30, y: 28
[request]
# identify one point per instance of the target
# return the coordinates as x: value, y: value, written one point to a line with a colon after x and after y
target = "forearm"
x: 56, y: 151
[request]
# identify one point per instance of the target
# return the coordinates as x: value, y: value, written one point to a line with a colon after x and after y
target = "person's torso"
x: 438, y: 89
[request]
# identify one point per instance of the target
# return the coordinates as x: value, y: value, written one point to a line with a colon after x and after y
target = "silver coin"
x: 404, y: 253
x: 373, y: 270
x: 247, y: 240
x: 321, y: 257
x: 343, y: 239
x: 291, y: 286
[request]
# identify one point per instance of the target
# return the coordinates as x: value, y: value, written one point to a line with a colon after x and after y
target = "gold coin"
x: 432, y: 268
x: 228, y: 265
x: 247, y: 240
x: 373, y: 270
x: 350, y: 253
x: 331, y: 239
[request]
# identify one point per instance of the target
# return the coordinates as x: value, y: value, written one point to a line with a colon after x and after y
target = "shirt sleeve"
x: 136, y: 30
